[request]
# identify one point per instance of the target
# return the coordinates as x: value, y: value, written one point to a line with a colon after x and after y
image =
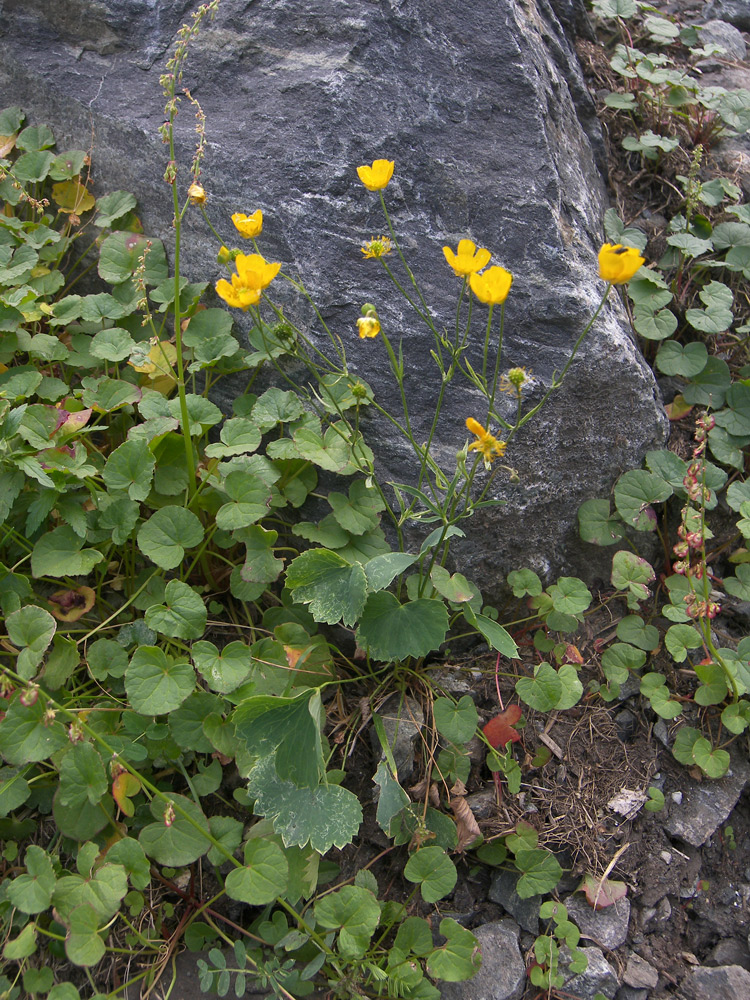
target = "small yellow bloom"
x: 492, y: 286
x: 379, y: 247
x: 254, y: 273
x: 369, y: 326
x: 236, y: 296
x: 489, y: 446
x: 196, y: 194
x: 618, y: 264
x: 468, y: 260
x: 223, y: 256
x: 376, y: 177
x: 514, y: 380
x: 248, y: 226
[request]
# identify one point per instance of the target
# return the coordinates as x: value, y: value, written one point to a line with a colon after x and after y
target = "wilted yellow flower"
x: 196, y: 194
x: 514, y: 380
x: 254, y: 273
x: 492, y: 286
x: 467, y: 260
x: 379, y: 247
x: 368, y: 326
x: 488, y: 445
x: 376, y: 177
x: 248, y: 226
x: 618, y: 264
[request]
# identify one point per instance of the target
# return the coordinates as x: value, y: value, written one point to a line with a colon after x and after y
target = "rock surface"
x: 502, y: 975
x: 599, y: 977
x: 607, y: 927
x: 703, y: 807
x: 484, y: 109
x: 727, y: 982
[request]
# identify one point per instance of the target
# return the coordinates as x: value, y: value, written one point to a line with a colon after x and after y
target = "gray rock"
x: 706, y: 805
x: 607, y: 927
x: 639, y: 973
x: 502, y: 975
x: 599, y: 977
x: 730, y: 951
x: 727, y: 982
x: 727, y: 36
x: 736, y: 12
x: 631, y: 993
x: 524, y: 911
x: 403, y: 719
x: 484, y: 109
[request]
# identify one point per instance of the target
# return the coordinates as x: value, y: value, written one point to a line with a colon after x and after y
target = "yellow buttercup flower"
x: 196, y: 194
x: 488, y: 445
x: 379, y: 247
x: 492, y: 286
x: 254, y: 273
x: 618, y: 264
x: 376, y: 177
x: 467, y: 260
x: 248, y: 226
x: 368, y: 326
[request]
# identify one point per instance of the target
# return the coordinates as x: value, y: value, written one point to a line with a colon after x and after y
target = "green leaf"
x: 393, y: 631
x: 113, y: 344
x: 683, y: 745
x: 382, y: 570
x: 456, y: 588
x: 130, y: 467
x: 83, y: 945
x: 635, y: 491
x: 264, y: 876
x: 570, y: 596
x: 82, y: 776
x: 180, y: 843
x: 251, y: 499
x: 572, y: 689
x: 22, y: 946
x: 261, y: 566
x: 674, y: 359
x: 355, y: 913
x: 655, y: 326
x: 33, y: 166
x: 714, y: 763
x: 182, y: 616
x: 186, y: 722
x: 739, y: 585
x: 620, y: 659
x: 541, y: 872
x: 736, y: 418
x: 14, y: 790
x: 60, y: 553
x: 460, y: 957
x: 542, y: 691
x: 433, y: 871
x: 324, y: 816
x: 239, y: 436
x: 129, y: 854
x: 222, y: 670
x: 736, y: 717
x: 31, y: 629
x: 655, y: 800
x: 24, y: 736
x: 457, y: 722
x: 631, y: 573
x: 709, y: 387
x: 32, y: 891
x: 119, y: 255
x: 679, y: 639
x: 634, y: 631
x: 597, y: 525
x: 156, y: 683
x: 359, y: 512
x: 496, y: 636
x: 167, y: 534
x: 113, y: 206
x: 334, y: 588
x: 101, y: 890
x: 727, y: 448
x: 713, y: 688
x: 391, y: 799
x: 691, y: 246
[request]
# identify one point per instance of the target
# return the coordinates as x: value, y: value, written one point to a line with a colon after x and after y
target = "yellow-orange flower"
x: 492, y: 286
x: 618, y: 264
x: 254, y: 273
x: 375, y: 248
x: 368, y: 326
x: 196, y: 194
x: 376, y: 177
x: 248, y: 226
x: 488, y: 445
x: 467, y: 260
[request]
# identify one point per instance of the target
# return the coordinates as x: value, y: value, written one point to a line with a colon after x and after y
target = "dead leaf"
x: 466, y: 824
x: 70, y: 605
x: 499, y: 731
x: 601, y: 893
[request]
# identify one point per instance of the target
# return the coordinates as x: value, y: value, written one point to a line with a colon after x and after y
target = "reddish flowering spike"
x: 499, y: 731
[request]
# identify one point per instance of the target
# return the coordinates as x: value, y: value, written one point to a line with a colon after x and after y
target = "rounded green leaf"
x: 393, y: 631
x: 541, y: 872
x: 83, y: 946
x: 183, y: 614
x: 222, y: 670
x: 596, y: 525
x: 679, y: 639
x: 31, y: 629
x: 167, y: 534
x: 674, y: 359
x: 459, y: 958
x: 542, y: 691
x: 334, y: 588
x: 60, y: 553
x: 635, y: 492
x: 355, y: 913
x: 683, y: 745
x: 434, y: 872
x: 130, y: 467
x: 156, y: 683
x: 120, y: 253
x: 264, y: 876
x: 32, y: 891
x: 714, y: 763
x: 634, y: 631
x: 112, y: 344
x: 175, y: 841
x: 457, y: 722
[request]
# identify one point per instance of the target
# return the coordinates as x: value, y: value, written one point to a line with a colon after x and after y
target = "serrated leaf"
x: 334, y: 588
x: 393, y: 631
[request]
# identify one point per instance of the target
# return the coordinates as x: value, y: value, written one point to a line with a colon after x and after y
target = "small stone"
x: 483, y: 804
x: 666, y: 857
x: 663, y: 909
x: 631, y: 993
x: 726, y: 982
x: 503, y: 973
x: 607, y: 927
x: 661, y: 732
x: 730, y: 951
x: 640, y: 973
x: 677, y: 797
x: 736, y: 12
x: 599, y: 977
x: 706, y: 805
x: 727, y: 36
x: 524, y: 911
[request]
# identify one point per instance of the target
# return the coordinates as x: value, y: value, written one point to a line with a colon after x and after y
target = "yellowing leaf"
x: 159, y: 361
x: 124, y: 786
x: 72, y: 197
x: 7, y: 142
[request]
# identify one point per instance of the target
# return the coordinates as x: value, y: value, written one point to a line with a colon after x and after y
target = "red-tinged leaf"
x: 601, y: 893
x: 70, y: 605
x: 572, y: 655
x: 678, y: 408
x: 124, y: 786
x: 499, y: 731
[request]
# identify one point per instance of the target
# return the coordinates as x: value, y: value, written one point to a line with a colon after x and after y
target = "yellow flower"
x: 488, y: 445
x: 514, y: 380
x: 254, y: 273
x: 376, y: 177
x: 379, y: 247
x: 248, y: 226
x: 492, y: 286
x: 369, y: 326
x: 196, y: 194
x: 468, y: 259
x: 618, y: 264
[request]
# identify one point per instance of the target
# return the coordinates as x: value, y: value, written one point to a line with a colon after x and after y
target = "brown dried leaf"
x: 466, y: 824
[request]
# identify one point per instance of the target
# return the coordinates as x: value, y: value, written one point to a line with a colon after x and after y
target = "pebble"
x: 607, y: 927
x: 725, y: 982
x: 725, y: 35
x: 640, y: 973
x: 503, y: 973
x: 599, y: 977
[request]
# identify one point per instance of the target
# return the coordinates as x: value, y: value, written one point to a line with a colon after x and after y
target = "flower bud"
x: 223, y: 256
